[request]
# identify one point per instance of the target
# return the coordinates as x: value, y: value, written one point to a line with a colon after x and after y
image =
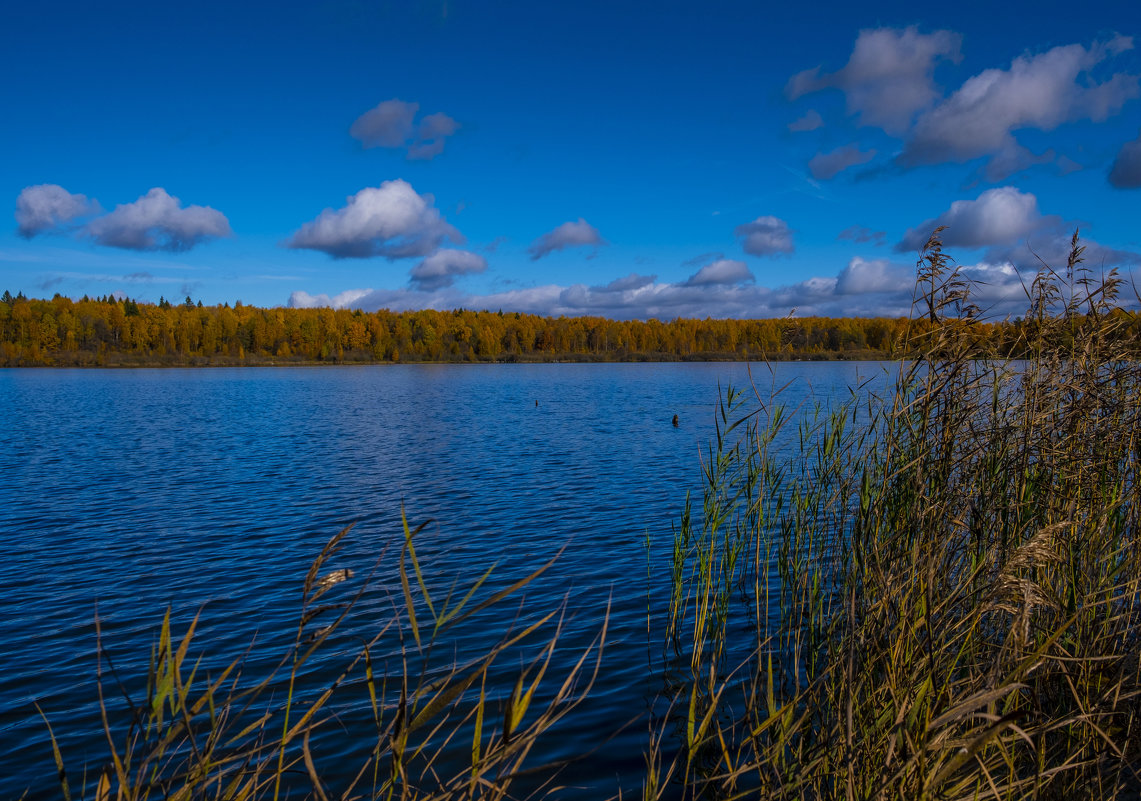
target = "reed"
x: 221, y: 737
x: 931, y: 592
x: 943, y: 594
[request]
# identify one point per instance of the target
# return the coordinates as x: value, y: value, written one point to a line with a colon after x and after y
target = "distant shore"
x: 121, y: 332
x: 126, y: 362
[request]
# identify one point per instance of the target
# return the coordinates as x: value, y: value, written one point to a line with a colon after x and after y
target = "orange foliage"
x: 109, y: 331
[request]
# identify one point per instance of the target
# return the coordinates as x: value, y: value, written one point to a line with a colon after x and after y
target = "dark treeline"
x: 119, y: 332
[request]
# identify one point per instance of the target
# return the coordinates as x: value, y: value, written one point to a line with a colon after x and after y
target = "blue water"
x: 127, y: 491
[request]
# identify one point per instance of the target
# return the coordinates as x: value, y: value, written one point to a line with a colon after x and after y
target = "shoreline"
x: 199, y: 362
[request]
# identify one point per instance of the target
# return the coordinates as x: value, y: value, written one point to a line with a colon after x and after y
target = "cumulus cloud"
x: 1013, y: 231
x: 1052, y: 246
x: 350, y: 298
x: 158, y: 221
x: 392, y: 124
x: 1126, y: 170
x: 809, y: 122
x: 1004, y: 224
x: 46, y: 207
x: 567, y: 235
x: 889, y: 76
x: 722, y: 288
x: 1037, y: 92
x: 888, y: 83
x: 391, y: 220
x: 441, y: 268
x: 825, y: 166
x: 864, y: 276
x: 862, y: 288
x: 765, y: 236
x: 722, y: 271
x: 860, y: 234
x: 1001, y: 216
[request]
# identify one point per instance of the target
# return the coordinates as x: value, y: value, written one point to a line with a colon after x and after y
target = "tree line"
x: 114, y: 331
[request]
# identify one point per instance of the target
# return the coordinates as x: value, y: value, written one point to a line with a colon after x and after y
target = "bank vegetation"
x: 932, y: 593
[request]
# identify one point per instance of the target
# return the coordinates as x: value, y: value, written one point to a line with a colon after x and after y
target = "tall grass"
x: 220, y: 737
x: 932, y: 592
x: 943, y: 595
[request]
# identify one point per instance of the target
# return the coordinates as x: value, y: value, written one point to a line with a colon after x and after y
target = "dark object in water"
x: 536, y: 404
x: 675, y: 421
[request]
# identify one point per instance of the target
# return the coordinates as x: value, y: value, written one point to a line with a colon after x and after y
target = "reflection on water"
x: 126, y: 491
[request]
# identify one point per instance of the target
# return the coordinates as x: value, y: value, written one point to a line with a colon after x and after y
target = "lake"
x: 128, y: 491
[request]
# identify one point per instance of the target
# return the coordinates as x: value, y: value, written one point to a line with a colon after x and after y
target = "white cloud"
x: 765, y: 236
x: 1009, y: 225
x: 888, y: 82
x: 889, y: 76
x: 392, y: 124
x: 999, y: 288
x: 440, y: 269
x: 391, y: 220
x: 158, y: 221
x: 1037, y: 92
x: 1052, y: 246
x: 863, y: 288
x: 567, y: 235
x: 825, y: 166
x: 1001, y: 216
x: 45, y: 207
x: 725, y: 289
x: 343, y: 300
x: 723, y: 272
x: 864, y: 276
x: 1126, y: 170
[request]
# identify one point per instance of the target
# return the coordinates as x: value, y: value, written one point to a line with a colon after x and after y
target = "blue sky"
x: 629, y: 160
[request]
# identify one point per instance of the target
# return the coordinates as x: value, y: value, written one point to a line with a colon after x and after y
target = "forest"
x: 121, y: 332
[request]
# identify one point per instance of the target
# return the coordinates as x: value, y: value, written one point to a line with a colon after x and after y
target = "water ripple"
x: 126, y: 492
